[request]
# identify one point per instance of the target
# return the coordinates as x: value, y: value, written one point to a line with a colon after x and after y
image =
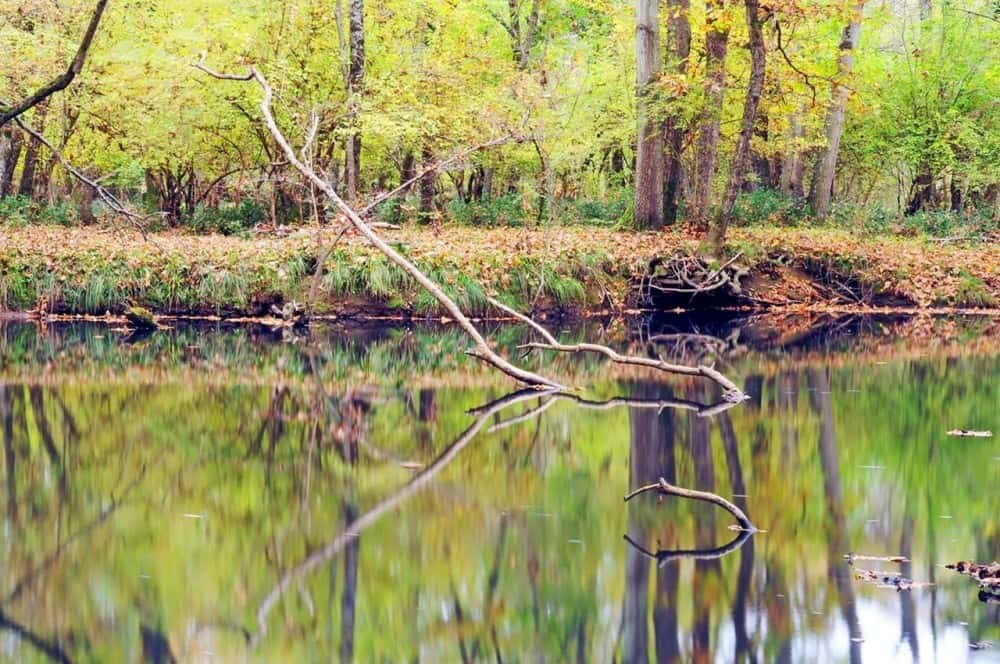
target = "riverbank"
x: 575, y: 270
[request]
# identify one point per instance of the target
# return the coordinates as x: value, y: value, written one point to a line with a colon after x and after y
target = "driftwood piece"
x: 970, y: 434
x: 745, y: 527
x: 667, y: 489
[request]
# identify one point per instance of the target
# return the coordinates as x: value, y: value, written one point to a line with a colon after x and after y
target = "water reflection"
x: 306, y: 520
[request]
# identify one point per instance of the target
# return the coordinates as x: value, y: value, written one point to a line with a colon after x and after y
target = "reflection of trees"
x: 837, y: 539
x: 652, y: 462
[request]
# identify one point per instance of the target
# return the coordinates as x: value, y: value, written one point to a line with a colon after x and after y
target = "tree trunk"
x: 717, y: 235
x: 679, y: 48
x: 792, y: 164
x: 716, y: 45
x: 355, y: 86
x: 821, y: 189
x: 427, y: 187
x: 10, y: 151
x: 27, y: 186
x: 407, y: 170
x: 649, y: 149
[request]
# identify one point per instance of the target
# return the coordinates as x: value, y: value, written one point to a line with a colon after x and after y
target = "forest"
x: 877, y: 116
x: 501, y: 330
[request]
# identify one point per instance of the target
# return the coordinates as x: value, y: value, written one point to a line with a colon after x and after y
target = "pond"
x: 219, y: 494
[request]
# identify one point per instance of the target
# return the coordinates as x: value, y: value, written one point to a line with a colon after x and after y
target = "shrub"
x: 15, y: 210
x: 768, y: 206
x: 505, y: 210
x: 227, y: 219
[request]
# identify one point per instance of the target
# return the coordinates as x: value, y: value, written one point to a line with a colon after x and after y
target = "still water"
x: 219, y: 495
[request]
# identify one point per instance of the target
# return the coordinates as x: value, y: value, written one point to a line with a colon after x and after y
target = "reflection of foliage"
x: 216, y: 519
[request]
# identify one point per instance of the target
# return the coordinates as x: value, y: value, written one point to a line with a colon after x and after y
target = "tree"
x: 741, y: 158
x: 821, y: 189
x: 716, y: 45
x: 649, y: 148
x: 679, y: 48
x: 62, y: 81
x: 355, y: 86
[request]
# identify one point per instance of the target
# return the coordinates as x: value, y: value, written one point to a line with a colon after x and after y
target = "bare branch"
x: 109, y: 199
x: 667, y: 489
x: 482, y: 349
x: 731, y: 391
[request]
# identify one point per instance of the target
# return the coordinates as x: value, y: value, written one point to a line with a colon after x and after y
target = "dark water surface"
x: 378, y: 521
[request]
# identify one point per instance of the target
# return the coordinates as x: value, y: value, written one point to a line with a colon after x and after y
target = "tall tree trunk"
x: 792, y: 163
x: 355, y: 86
x: 10, y: 151
x: 649, y: 149
x: 716, y: 46
x: 717, y: 235
x: 679, y: 48
x: 27, y: 186
x: 821, y: 189
x: 427, y: 187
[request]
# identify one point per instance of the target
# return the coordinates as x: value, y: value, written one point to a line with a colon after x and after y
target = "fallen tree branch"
x: 64, y: 79
x: 731, y: 392
x: 667, y: 489
x: 482, y: 349
x: 109, y: 199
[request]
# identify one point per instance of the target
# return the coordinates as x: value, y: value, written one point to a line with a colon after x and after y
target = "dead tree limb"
x: 667, y: 489
x: 731, y: 392
x: 113, y: 202
x: 482, y: 349
x: 63, y: 80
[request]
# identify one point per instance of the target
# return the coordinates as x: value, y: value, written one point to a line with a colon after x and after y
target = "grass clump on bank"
x: 92, y: 271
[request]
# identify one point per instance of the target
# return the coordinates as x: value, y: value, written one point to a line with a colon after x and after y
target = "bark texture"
x: 821, y: 190
x: 741, y: 158
x: 679, y: 49
x: 716, y: 47
x: 649, y: 150
x: 355, y: 87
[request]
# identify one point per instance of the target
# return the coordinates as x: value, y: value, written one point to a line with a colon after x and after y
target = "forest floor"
x: 575, y: 270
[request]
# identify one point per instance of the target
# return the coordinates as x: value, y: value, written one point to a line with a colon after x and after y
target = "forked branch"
x: 731, y: 392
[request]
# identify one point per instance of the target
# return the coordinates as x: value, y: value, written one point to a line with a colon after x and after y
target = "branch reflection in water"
x: 424, y: 477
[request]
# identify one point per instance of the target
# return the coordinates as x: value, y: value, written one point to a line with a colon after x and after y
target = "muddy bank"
x: 577, y: 271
